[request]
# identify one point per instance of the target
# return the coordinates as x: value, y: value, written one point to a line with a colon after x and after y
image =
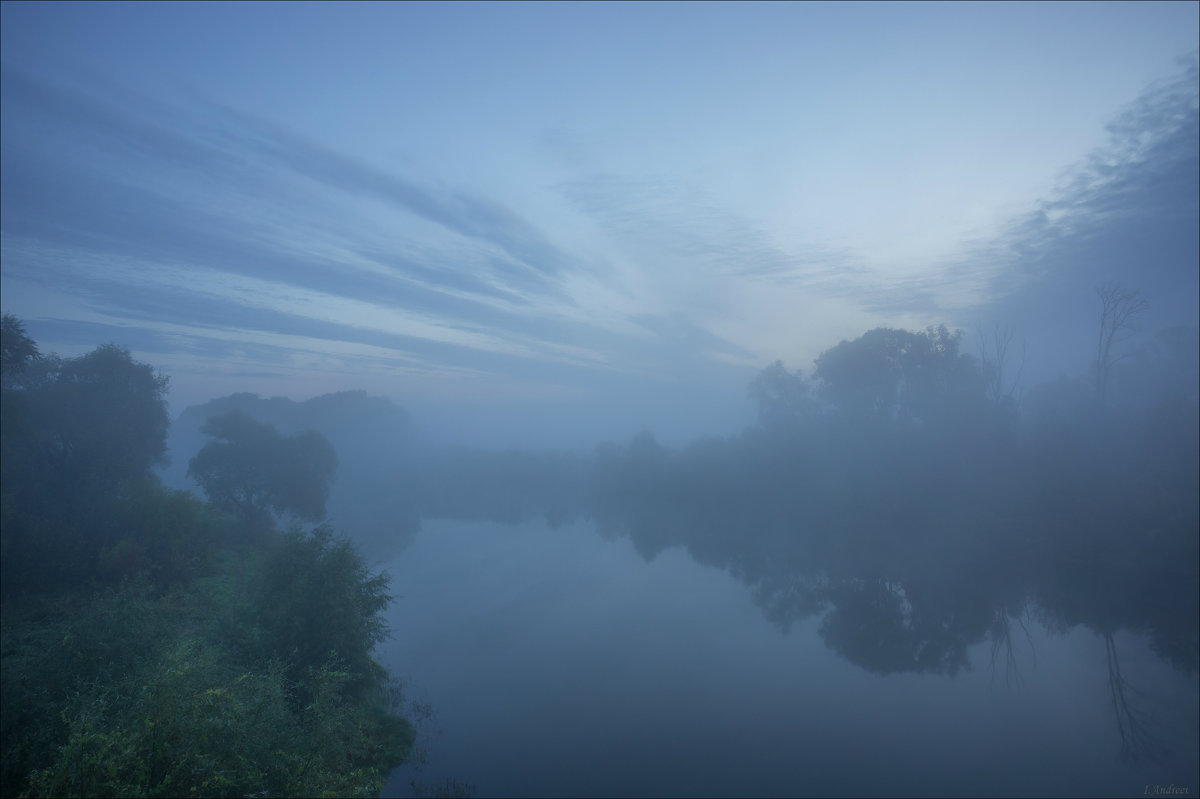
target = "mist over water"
x: 897, y: 581
x: 561, y: 663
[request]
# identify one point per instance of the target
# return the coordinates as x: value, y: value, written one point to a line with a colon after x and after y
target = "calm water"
x: 559, y: 663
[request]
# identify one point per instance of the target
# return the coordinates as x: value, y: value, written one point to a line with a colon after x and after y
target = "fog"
x: 780, y: 400
x: 891, y: 583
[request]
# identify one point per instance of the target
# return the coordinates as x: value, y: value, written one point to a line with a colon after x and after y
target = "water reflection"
x: 893, y: 523
x: 912, y: 551
x: 560, y: 662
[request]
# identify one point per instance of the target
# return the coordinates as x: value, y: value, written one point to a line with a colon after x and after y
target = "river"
x: 558, y: 662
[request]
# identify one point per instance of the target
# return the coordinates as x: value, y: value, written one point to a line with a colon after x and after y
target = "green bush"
x: 312, y: 598
x: 195, y: 727
x: 134, y: 694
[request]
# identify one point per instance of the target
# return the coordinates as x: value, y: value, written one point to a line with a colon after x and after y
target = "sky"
x: 518, y: 217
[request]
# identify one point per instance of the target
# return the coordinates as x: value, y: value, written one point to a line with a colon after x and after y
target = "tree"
x: 17, y: 437
x: 78, y: 435
x: 782, y: 397
x: 897, y: 374
x: 17, y: 350
x: 994, y: 362
x: 95, y: 420
x: 313, y: 596
x: 109, y: 412
x: 1119, y: 309
x: 254, y: 471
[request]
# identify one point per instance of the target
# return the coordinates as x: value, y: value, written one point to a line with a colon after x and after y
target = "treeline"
x: 158, y: 645
x: 916, y: 516
x: 916, y: 512
x: 906, y: 499
x: 905, y: 493
x: 905, y: 496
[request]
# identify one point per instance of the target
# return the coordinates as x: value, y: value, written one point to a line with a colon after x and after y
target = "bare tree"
x: 1119, y: 309
x: 995, y: 363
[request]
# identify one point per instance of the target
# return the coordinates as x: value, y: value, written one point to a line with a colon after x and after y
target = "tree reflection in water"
x: 1001, y: 633
x: 1135, y: 725
x: 916, y: 517
x: 912, y: 512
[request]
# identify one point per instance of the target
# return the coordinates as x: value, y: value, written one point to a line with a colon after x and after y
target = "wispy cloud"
x: 199, y: 214
x: 210, y: 226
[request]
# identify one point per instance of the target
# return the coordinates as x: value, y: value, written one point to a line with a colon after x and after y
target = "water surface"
x: 560, y: 663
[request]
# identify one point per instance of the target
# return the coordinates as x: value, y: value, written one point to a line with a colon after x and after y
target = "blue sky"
x: 627, y: 207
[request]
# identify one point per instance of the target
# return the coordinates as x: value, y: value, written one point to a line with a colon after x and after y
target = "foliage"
x: 313, y: 598
x: 79, y: 436
x: 252, y: 470
x: 100, y: 417
x: 63, y: 651
x: 897, y: 374
x: 190, y: 723
x: 137, y: 661
x: 17, y: 350
x: 783, y: 398
x: 130, y: 693
x: 81, y: 426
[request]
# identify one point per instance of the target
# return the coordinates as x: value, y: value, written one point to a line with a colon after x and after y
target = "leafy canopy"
x: 251, y: 469
x: 887, y: 373
x: 17, y: 350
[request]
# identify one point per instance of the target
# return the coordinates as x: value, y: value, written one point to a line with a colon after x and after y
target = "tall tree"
x: 17, y: 350
x: 1119, y: 310
x: 994, y: 361
x: 78, y: 434
x: 94, y: 420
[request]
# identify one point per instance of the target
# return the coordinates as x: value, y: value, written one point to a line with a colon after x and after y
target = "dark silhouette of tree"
x: 783, y: 398
x: 103, y: 415
x: 82, y: 426
x: 994, y: 362
x: 1119, y: 309
x: 313, y: 597
x: 900, y: 375
x: 17, y: 350
x: 16, y: 435
x: 78, y: 435
x: 254, y: 471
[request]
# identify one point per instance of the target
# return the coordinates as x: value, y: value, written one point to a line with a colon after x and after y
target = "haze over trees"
x: 156, y: 645
x: 905, y: 495
x: 80, y: 434
x: 250, y: 469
